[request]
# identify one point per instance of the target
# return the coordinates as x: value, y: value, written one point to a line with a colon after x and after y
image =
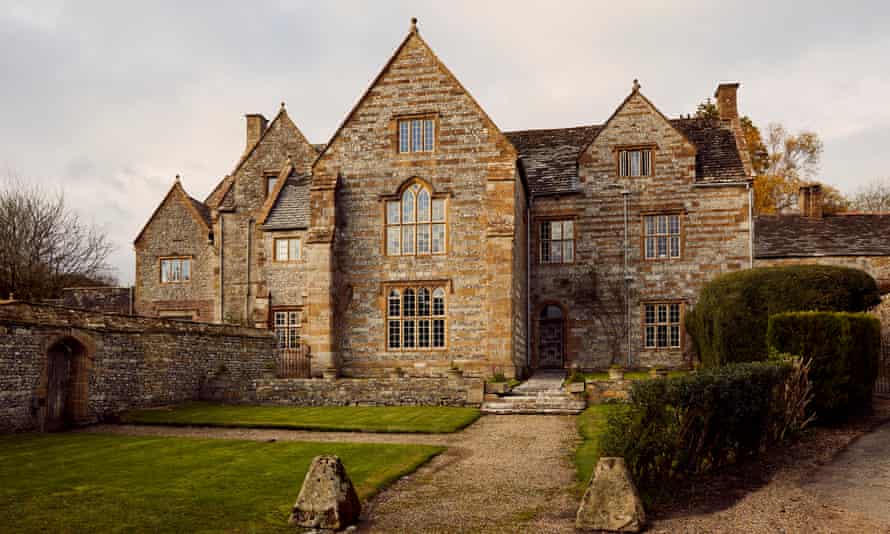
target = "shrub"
x: 729, y: 322
x: 845, y: 352
x: 687, y: 425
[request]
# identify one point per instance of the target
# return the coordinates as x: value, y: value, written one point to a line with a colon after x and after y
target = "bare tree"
x: 874, y: 197
x: 44, y: 246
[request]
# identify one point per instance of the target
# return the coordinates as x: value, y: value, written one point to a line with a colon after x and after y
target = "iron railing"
x: 294, y: 363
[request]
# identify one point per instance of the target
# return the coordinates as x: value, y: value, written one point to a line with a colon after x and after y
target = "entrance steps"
x: 542, y: 394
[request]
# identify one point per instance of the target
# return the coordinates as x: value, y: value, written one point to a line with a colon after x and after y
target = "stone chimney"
x: 810, y: 201
x: 256, y: 125
x: 728, y: 110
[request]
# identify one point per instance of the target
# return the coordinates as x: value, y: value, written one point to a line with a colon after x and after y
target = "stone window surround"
x: 643, y: 324
x: 401, y: 286
x: 161, y: 261
x: 423, y: 115
x: 681, y: 213
x: 653, y: 157
x: 397, y: 197
x: 275, y: 241
x: 267, y: 177
x: 551, y: 217
x: 288, y: 310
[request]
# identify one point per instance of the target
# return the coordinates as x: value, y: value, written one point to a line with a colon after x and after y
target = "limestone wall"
x: 132, y: 362
x: 370, y: 392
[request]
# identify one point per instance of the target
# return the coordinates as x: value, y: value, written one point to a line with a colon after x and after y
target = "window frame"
x: 401, y: 290
x: 646, y: 147
x: 431, y: 223
x: 297, y: 327
x: 644, y: 325
x: 429, y: 126
x: 540, y: 237
x: 680, y: 235
x: 299, y: 241
x: 270, y: 176
x: 180, y: 259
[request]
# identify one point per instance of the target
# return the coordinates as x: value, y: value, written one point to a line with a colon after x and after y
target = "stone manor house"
x: 422, y: 236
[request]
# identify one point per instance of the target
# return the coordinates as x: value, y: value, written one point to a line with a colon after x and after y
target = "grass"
x: 631, y: 375
x: 102, y: 483
x: 591, y: 424
x: 432, y: 420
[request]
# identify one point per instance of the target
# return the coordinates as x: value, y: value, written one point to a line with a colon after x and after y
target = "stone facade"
x: 403, y: 391
x: 498, y: 189
x: 128, y: 362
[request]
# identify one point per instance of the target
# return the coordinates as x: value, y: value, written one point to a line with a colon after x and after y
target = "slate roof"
x: 550, y: 156
x: 202, y: 209
x: 291, y: 210
x: 789, y: 236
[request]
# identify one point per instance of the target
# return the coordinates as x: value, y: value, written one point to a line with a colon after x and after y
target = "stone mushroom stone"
x: 611, y: 502
x: 327, y: 499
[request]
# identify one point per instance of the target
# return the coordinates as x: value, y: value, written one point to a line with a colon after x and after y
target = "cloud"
x: 110, y: 100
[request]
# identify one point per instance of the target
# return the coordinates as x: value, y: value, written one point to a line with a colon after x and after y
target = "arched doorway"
x: 551, y: 337
x: 67, y: 384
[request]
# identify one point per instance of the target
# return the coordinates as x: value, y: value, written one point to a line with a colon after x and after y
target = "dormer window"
x: 635, y: 162
x: 417, y: 135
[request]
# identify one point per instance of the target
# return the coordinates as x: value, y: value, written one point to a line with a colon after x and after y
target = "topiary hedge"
x: 677, y: 427
x: 730, y: 319
x: 844, y: 349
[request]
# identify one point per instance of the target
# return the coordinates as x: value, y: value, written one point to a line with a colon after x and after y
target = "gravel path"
x: 510, y: 473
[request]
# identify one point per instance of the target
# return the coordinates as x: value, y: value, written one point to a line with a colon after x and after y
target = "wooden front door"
x: 58, y: 389
x: 551, y: 336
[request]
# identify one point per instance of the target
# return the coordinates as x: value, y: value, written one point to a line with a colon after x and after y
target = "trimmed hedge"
x: 677, y: 427
x: 729, y: 321
x: 845, y: 350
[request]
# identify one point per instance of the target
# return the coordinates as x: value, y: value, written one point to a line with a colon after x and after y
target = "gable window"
x: 637, y: 162
x: 176, y: 270
x: 415, y: 224
x: 286, y: 325
x: 557, y: 241
x: 661, y: 322
x: 417, y: 135
x: 287, y: 249
x: 662, y: 236
x: 271, y: 181
x: 415, y: 318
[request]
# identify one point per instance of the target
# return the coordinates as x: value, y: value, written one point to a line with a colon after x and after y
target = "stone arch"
x: 64, y: 395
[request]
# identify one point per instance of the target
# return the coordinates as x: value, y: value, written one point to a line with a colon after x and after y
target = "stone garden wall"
x: 130, y: 362
x: 370, y: 391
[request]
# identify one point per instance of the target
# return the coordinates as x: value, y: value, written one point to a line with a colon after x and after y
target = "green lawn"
x: 631, y: 375
x: 101, y: 483
x: 590, y: 427
x: 424, y: 419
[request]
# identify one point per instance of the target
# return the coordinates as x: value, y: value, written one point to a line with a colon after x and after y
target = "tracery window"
x: 415, y: 224
x: 416, y: 318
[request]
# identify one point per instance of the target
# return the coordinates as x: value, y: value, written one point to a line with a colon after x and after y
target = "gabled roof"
x: 198, y: 209
x: 550, y: 157
x: 794, y: 236
x: 291, y: 210
x: 634, y: 92
x: 717, y: 157
x: 412, y: 33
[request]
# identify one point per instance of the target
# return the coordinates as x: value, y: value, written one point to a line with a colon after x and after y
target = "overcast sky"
x: 109, y: 100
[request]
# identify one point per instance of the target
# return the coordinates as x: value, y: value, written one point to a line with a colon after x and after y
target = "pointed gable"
x: 176, y: 193
x: 413, y: 59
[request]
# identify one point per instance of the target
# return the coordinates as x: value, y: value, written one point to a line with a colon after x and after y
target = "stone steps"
x: 541, y: 394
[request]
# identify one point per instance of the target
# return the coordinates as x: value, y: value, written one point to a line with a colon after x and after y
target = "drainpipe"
x: 222, y: 313
x: 247, y: 293
x: 626, y: 194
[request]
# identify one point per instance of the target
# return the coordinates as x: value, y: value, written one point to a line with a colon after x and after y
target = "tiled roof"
x: 202, y: 209
x: 291, y: 210
x: 717, y: 156
x: 788, y: 236
x: 550, y: 156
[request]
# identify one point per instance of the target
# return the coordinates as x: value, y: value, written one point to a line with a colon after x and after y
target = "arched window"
x: 416, y: 223
x: 416, y: 318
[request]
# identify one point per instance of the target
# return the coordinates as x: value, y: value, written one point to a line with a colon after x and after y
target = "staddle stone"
x: 611, y: 502
x: 327, y: 499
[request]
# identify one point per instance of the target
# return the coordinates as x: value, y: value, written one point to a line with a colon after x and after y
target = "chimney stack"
x: 810, y: 201
x: 256, y: 125
x: 727, y: 101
